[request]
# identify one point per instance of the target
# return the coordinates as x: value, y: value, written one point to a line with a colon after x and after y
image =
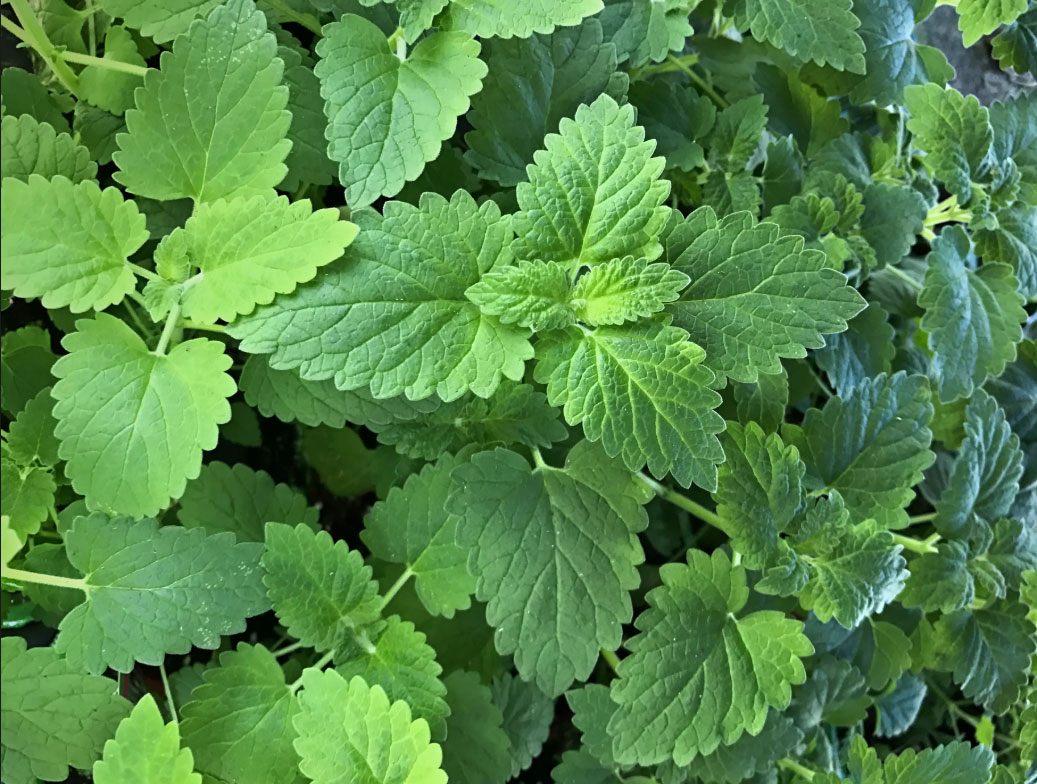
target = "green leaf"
x: 589, y: 511
x: 162, y: 20
x: 488, y: 18
x: 413, y: 527
x: 941, y: 580
x: 30, y: 438
x: 119, y: 404
x: 24, y: 93
x: 388, y: 117
x: 626, y: 289
x: 105, y: 87
x: 693, y: 654
x: 241, y: 500
x: 152, y: 591
x: 528, y: 714
x: 534, y: 294
x: 824, y: 32
x: 54, y: 715
x: 894, y: 216
x: 871, y: 445
x: 763, y: 401
x: 1014, y: 242
x: 403, y: 664
x: 211, y: 122
x: 835, y: 693
x: 12, y: 543
x: 973, y: 317
x: 349, y: 731
x: 427, y: 337
x: 954, y: 132
x: 985, y: 477
x: 32, y: 147
x: 642, y: 391
x: 321, y: 590
x: 340, y: 458
x: 645, y: 30
x: 889, y: 651
x: 68, y: 243
x: 249, y: 250
x: 28, y: 495
x: 866, y: 349
x: 25, y: 362
x: 759, y: 491
x: 291, y: 398
x: 737, y: 133
x: 592, y: 708
x: 977, y: 18
x: 898, y: 710
x: 1016, y: 45
x: 146, y: 750
x: 778, y: 305
x: 308, y: 160
x: 533, y: 82
x: 677, y: 118
x: 1015, y: 137
x: 796, y: 107
x: 594, y: 192
x: 477, y: 749
x: 238, y: 722
x: 750, y: 754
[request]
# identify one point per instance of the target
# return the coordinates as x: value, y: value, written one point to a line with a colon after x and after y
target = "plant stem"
x: 167, y: 330
x: 685, y: 503
x: 820, y: 381
x: 168, y: 691
x: 928, y: 517
x: 91, y: 26
x: 143, y: 272
x: 899, y: 273
x: 34, y: 35
x: 611, y: 659
x: 288, y: 649
x: 20, y: 575
x: 952, y: 706
x: 396, y: 586
x: 188, y: 324
x: 698, y: 81
x: 796, y: 768
x: 101, y: 62
x: 917, y: 545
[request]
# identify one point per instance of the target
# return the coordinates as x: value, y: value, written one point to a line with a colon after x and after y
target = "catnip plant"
x: 586, y: 391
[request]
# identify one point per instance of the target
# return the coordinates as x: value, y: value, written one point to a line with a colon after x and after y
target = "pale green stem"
x: 698, y: 81
x: 611, y: 659
x: 921, y: 546
x: 20, y: 575
x: 168, y: 691
x: 188, y: 324
x: 928, y: 517
x: 396, y: 586
x: 101, y: 62
x: 685, y: 503
x: 288, y: 649
x: 167, y: 331
x: 143, y: 272
x: 899, y: 273
x: 32, y: 33
x: 795, y: 767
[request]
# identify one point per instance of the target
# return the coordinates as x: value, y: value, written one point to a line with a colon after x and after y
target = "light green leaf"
x: 25, y: 362
x: 941, y: 580
x: 532, y: 84
x: 778, y: 305
x: 30, y: 438
x: 954, y: 132
x: 54, y: 715
x: 1016, y: 44
x: 146, y: 750
x: 152, y: 591
x: 759, y: 491
x: 28, y: 494
x: 488, y: 18
x: 1014, y: 242
x: 871, y: 445
x: 533, y: 294
x: 238, y: 722
x: 626, y: 289
x: 403, y: 664
x: 12, y: 543
x: 825, y: 32
x: 413, y: 527
x: 162, y: 20
x: 321, y: 590
x: 737, y: 133
x: 119, y: 404
x: 594, y: 192
x: 241, y: 500
x: 211, y: 122
x: 476, y: 750
x: 589, y: 511
x: 985, y: 477
x: 248, y: 250
x: 105, y: 87
x: 427, y: 337
x: 388, y: 117
x: 973, y: 317
x: 349, y: 730
x: 415, y: 16
x: 528, y: 714
x: 694, y: 654
x: 642, y: 391
x: 69, y: 243
x: 32, y: 147
x: 977, y: 18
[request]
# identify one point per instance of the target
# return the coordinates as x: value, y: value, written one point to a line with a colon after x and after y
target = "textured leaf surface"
x: 941, y: 580
x: 528, y: 714
x: 241, y: 500
x: 871, y: 445
x: 824, y: 32
x: 25, y: 362
x: 488, y: 18
x: 392, y: 313
x: 594, y: 192
x: 677, y: 117
x: 120, y: 405
x: 152, y: 591
x: 387, y: 118
x: 973, y: 317
x: 626, y: 289
x: 750, y: 754
x: 28, y: 494
x: 146, y: 750
x: 693, y: 655
x: 1013, y: 242
x: 162, y: 20
x: 864, y: 350
x: 105, y: 87
x: 238, y: 722
x: 54, y: 715
x: 211, y: 122
x: 321, y: 590
x: 29, y: 146
x: 530, y: 531
x: 641, y: 391
x: 476, y: 749
x: 351, y: 731
x: 977, y: 18
x: 755, y: 296
x: 30, y: 437
x: 533, y: 294
x: 68, y: 243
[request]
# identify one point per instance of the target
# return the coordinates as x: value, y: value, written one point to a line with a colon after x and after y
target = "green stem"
x: 653, y: 69
x: 317, y: 665
x: 34, y: 35
x: 952, y: 706
x: 134, y: 296
x: 168, y: 691
x: 698, y: 81
x: 796, y: 768
x: 820, y: 381
x: 288, y: 649
x: 143, y: 272
x: 101, y: 62
x: 899, y: 273
x: 91, y: 26
x: 611, y: 659
x: 682, y: 501
x: 168, y: 329
x: 188, y: 324
x: 396, y: 586
x: 928, y: 517
x: 309, y: 21
x: 20, y: 575
x: 921, y: 546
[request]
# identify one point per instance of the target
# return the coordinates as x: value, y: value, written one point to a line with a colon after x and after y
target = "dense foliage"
x: 421, y: 390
